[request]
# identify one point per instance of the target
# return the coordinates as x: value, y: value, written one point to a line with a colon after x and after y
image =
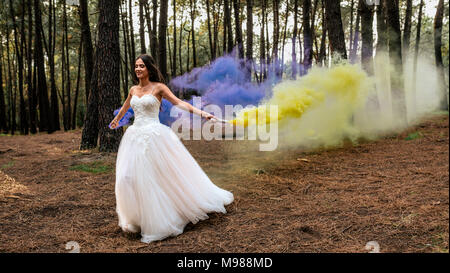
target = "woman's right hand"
x: 114, y: 123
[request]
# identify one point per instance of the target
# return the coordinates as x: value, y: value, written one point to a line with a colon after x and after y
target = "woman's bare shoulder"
x: 132, y: 89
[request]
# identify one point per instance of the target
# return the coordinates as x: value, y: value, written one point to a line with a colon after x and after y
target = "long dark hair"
x: 154, y: 75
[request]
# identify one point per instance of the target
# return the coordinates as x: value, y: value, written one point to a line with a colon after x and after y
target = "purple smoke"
x: 223, y: 82
x: 125, y: 119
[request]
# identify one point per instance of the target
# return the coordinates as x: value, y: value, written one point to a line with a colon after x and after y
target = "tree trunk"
x: 3, y: 126
x: 276, y: 36
x: 45, y: 119
x: 294, y: 38
x: 237, y: 23
x: 89, y: 135
x: 208, y: 20
x: 194, y: 50
x: 54, y: 105
x: 323, y: 47
x: 179, y: 48
x: 249, y: 49
x: 382, y: 31
x: 63, y: 81
x: 227, y: 22
x: 149, y: 24
x: 68, y: 83
x: 141, y: 27
x: 31, y: 86
x: 87, y: 47
x: 262, y: 57
x: 407, y: 29
x: 19, y: 56
x: 154, y: 40
x: 438, y: 53
x: 162, y: 38
x: 75, y: 101
x: 108, y: 57
x: 366, y: 12
x: 355, y: 41
x: 188, y: 49
x: 286, y: 15
x: 334, y: 25
x: 132, y: 45
x: 216, y: 29
x: 11, y: 98
x: 416, y: 50
x: 307, y: 36
x: 395, y: 55
x: 352, y: 8
x: 126, y: 45
x: 174, y: 63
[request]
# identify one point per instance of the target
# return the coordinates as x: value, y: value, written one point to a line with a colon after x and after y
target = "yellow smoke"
x: 330, y: 105
x: 345, y: 86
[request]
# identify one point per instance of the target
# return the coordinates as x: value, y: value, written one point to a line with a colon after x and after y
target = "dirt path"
x: 394, y: 191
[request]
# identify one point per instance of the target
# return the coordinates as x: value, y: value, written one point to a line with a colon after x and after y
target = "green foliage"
x: 92, y: 167
x: 414, y: 135
x: 7, y: 165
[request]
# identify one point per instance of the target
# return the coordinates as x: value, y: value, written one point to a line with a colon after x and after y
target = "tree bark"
x: 89, y: 136
x: 54, y: 105
x: 416, y: 49
x: 438, y: 53
x: 352, y: 8
x: 126, y: 70
x: 88, y: 53
x: 262, y: 57
x: 174, y: 63
x: 366, y: 12
x: 227, y: 22
x: 30, y: 85
x: 141, y: 27
x: 108, y: 57
x: 395, y: 55
x: 237, y: 23
x: 334, y: 25
x: 162, y: 38
x: 149, y: 24
x: 68, y: 83
x: 194, y: 51
x: 323, y: 47
x: 407, y: 28
x: 307, y: 37
x: 45, y: 119
x: 3, y: 125
x: 11, y: 98
x: 382, y: 31
x: 208, y: 20
x: 19, y: 56
x: 75, y: 101
x: 249, y: 49
x: 154, y: 40
x: 294, y: 38
x: 132, y: 44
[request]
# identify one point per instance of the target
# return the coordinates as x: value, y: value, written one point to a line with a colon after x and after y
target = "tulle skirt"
x: 160, y: 187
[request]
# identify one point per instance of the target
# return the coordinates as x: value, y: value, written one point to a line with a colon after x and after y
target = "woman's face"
x: 140, y: 69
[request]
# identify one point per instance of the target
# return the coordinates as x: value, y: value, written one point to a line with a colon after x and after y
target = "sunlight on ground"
x: 9, y: 186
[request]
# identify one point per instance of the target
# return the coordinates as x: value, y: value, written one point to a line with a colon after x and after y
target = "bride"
x: 160, y: 187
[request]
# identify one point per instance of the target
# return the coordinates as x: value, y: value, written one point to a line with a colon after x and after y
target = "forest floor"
x: 394, y: 191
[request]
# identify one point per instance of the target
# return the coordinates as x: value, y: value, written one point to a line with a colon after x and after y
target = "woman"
x: 160, y: 188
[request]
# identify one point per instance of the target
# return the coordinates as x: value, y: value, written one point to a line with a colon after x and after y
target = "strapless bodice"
x: 146, y: 109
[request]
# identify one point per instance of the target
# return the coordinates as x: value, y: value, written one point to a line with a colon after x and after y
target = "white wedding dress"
x: 160, y: 187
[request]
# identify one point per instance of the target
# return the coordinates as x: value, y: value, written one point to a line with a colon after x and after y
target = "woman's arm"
x: 123, y: 110
x: 168, y: 95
